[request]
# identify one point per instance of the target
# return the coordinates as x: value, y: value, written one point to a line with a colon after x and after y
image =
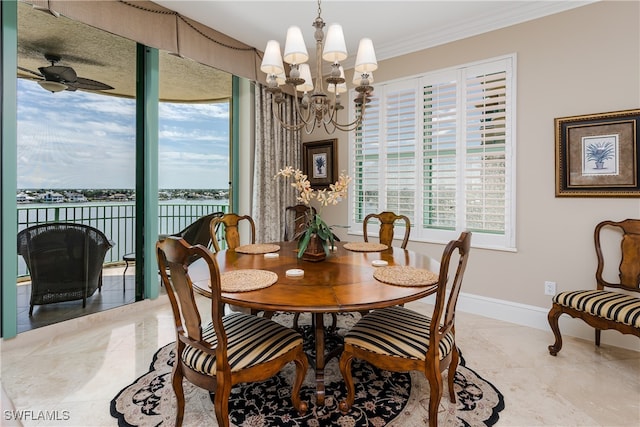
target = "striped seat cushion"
x: 609, y: 305
x: 251, y: 340
x: 396, y: 331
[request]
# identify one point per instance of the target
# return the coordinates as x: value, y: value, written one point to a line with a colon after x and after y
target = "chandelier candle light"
x: 316, y: 108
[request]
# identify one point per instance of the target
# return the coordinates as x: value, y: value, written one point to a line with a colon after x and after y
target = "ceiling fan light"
x: 52, y: 86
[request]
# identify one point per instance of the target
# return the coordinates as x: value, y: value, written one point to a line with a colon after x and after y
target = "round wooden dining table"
x: 343, y: 282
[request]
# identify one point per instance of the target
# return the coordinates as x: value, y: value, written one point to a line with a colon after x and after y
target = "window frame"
x: 504, y: 241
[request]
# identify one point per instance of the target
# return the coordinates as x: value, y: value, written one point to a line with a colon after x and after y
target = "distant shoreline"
x: 125, y: 202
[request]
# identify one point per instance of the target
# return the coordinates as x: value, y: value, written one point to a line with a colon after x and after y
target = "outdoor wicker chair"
x: 64, y: 261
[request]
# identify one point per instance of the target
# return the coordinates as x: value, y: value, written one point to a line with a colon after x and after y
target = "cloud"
x: 87, y: 140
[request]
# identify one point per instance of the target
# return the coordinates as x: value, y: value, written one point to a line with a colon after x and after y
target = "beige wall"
x: 583, y: 61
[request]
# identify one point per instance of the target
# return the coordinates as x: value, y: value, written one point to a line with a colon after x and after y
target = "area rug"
x: 382, y: 398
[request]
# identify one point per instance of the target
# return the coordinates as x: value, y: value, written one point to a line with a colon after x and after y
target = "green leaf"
x: 302, y: 246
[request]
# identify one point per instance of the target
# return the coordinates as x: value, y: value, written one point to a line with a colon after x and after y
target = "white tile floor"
x: 77, y: 367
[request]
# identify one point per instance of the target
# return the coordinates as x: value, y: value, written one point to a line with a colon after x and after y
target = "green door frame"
x: 8, y: 178
x: 147, y: 282
x: 147, y: 96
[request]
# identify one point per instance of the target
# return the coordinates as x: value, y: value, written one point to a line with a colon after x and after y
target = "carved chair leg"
x: 345, y: 370
x: 435, y: 389
x: 176, y: 381
x: 302, y: 365
x: 221, y: 400
x: 553, y: 316
x: 451, y: 374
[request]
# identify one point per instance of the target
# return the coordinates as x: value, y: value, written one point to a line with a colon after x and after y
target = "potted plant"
x: 317, y: 237
x: 598, y: 152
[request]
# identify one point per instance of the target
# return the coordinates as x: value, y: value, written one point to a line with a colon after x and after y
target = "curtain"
x: 153, y: 25
x: 275, y: 148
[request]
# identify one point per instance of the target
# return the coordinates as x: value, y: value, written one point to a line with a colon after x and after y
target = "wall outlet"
x: 549, y: 288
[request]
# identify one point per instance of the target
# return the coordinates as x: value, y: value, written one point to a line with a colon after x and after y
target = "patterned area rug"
x: 382, y: 398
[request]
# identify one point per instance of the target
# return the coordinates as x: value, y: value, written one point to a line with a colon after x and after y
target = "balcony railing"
x: 115, y: 220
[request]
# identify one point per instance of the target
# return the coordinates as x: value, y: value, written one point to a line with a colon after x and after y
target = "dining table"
x: 345, y: 281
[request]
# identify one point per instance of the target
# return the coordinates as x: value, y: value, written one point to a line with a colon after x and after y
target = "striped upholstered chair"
x: 605, y: 307
x: 399, y: 339
x: 232, y: 349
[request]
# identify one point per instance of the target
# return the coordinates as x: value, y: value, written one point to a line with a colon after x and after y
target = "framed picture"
x: 319, y: 162
x: 597, y: 155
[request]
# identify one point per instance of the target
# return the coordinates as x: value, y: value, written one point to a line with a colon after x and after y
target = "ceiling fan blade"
x: 88, y: 84
x: 59, y: 73
x: 26, y: 70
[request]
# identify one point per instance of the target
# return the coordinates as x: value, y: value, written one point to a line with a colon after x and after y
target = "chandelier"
x: 317, y: 109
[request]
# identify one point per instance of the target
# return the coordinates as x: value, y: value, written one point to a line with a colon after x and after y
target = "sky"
x: 83, y: 140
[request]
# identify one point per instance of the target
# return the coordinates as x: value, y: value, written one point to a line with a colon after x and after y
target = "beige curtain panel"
x: 155, y: 26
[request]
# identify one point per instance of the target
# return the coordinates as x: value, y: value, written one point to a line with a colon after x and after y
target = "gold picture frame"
x: 319, y: 161
x: 597, y: 155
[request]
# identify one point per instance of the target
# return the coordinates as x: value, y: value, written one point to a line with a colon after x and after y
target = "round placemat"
x: 405, y: 276
x: 247, y: 280
x: 365, y: 247
x: 258, y: 248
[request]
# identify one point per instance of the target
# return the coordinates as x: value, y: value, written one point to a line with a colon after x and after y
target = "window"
x: 439, y: 149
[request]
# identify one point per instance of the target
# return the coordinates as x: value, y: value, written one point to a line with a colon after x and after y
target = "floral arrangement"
x: 324, y: 197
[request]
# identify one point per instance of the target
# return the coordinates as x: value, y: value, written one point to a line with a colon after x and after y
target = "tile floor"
x: 117, y: 290
x: 76, y: 367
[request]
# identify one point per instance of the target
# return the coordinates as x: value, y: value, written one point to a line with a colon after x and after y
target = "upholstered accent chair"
x: 64, y: 261
x: 612, y: 304
x: 387, y: 221
x: 232, y: 349
x: 399, y: 339
x: 230, y: 233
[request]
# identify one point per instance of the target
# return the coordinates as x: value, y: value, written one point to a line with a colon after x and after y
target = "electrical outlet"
x: 549, y: 288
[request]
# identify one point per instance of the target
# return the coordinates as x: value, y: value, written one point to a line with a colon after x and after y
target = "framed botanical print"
x: 319, y: 162
x: 597, y: 155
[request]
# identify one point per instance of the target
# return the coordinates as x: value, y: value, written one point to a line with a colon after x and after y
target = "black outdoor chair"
x: 196, y: 233
x: 64, y: 260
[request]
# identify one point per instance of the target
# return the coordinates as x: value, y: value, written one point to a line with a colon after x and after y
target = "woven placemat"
x: 247, y: 280
x: 405, y: 276
x: 258, y: 248
x: 365, y: 247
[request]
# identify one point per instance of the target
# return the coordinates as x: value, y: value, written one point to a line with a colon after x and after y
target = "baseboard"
x: 536, y: 317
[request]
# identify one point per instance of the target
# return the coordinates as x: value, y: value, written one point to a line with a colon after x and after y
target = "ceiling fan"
x: 56, y: 78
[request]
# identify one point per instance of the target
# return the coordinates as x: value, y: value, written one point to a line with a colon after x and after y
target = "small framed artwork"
x: 319, y: 162
x: 597, y: 155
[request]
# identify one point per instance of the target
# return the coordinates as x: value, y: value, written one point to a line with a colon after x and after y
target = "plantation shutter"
x: 400, y: 179
x: 438, y: 148
x: 485, y: 144
x: 366, y: 163
x: 440, y: 154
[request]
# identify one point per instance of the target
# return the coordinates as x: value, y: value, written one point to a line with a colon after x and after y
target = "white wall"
x: 583, y: 61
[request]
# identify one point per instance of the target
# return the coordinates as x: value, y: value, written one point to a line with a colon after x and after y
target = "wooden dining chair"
x: 387, y: 222
x: 230, y: 230
x: 399, y: 339
x: 614, y: 303
x: 296, y: 218
x: 232, y: 349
